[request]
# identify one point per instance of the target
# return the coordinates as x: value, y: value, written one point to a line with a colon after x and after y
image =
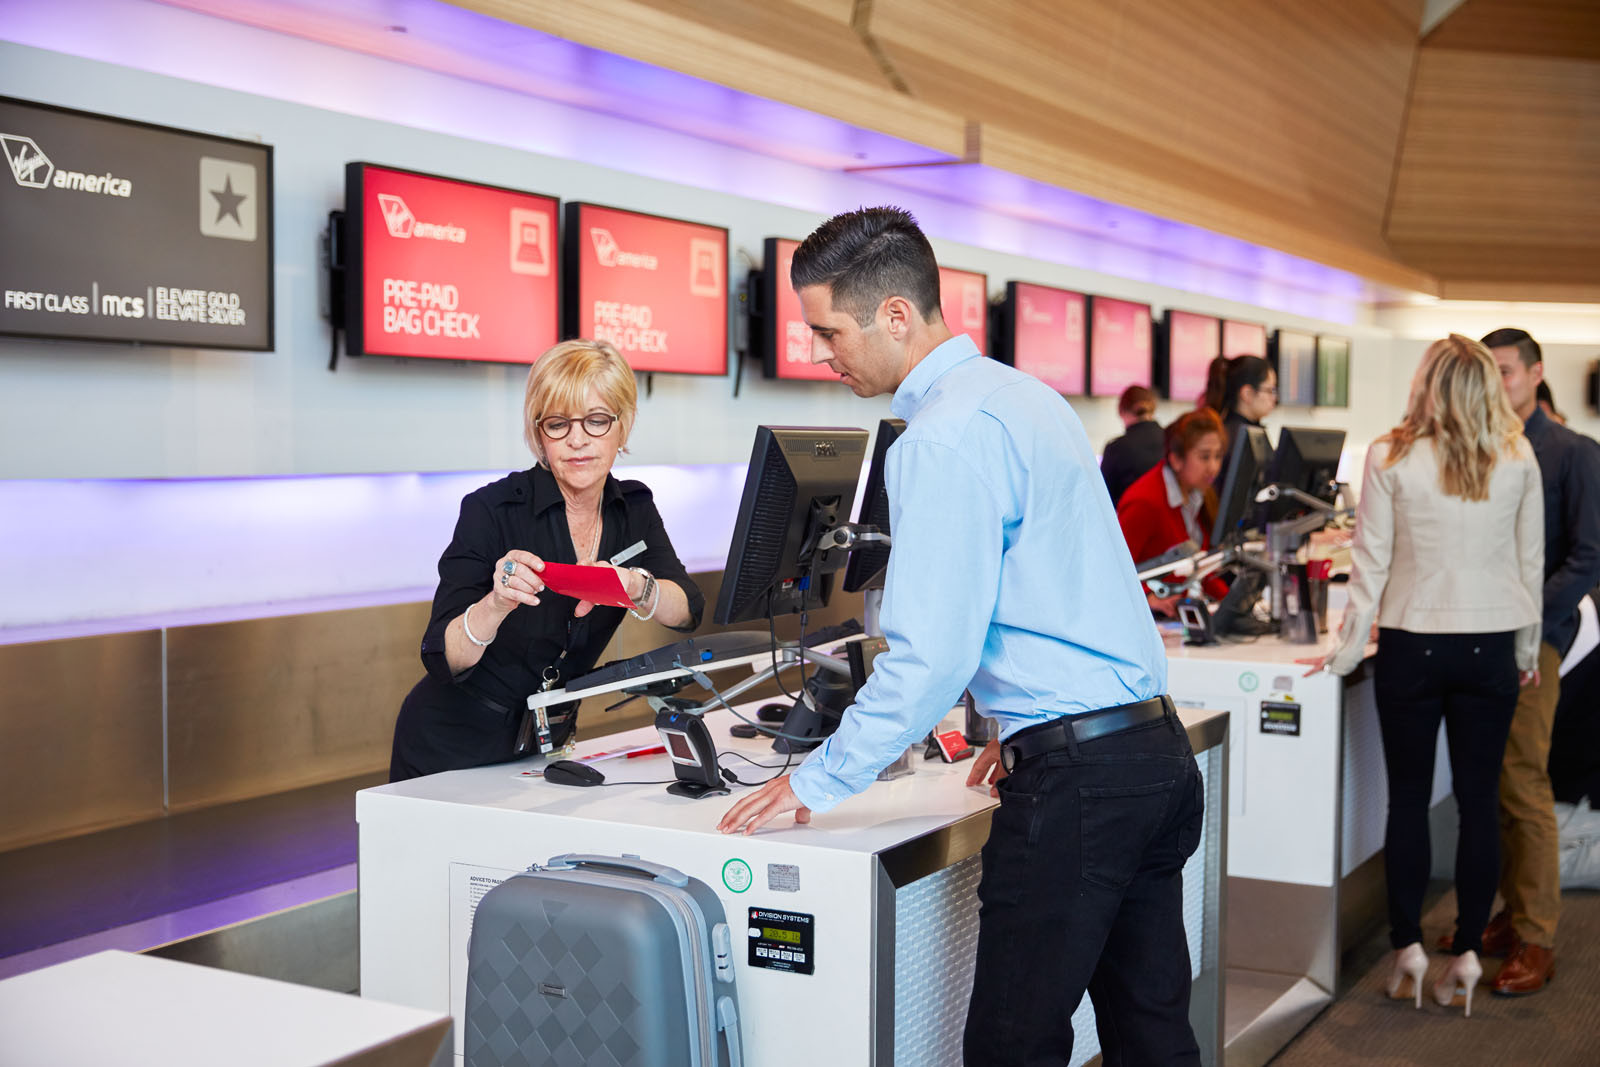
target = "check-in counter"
x: 1307, y: 799
x: 888, y: 878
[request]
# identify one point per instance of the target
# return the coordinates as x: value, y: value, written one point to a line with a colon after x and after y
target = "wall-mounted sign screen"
x: 1193, y: 341
x: 447, y: 269
x: 785, y: 337
x: 964, y: 301
x: 1243, y: 339
x: 1119, y: 345
x: 1333, y: 371
x: 1044, y: 335
x: 1294, y: 354
x: 120, y: 231
x: 655, y: 287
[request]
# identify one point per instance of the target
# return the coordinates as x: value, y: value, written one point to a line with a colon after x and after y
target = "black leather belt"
x: 1052, y: 735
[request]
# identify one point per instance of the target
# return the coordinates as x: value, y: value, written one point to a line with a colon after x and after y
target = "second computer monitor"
x: 1307, y: 459
x: 869, y: 563
x: 1248, y: 454
x: 801, y: 482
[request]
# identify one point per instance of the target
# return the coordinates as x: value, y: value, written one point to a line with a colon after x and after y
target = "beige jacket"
x: 1436, y: 564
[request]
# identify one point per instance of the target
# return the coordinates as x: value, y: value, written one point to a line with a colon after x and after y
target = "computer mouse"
x: 571, y: 772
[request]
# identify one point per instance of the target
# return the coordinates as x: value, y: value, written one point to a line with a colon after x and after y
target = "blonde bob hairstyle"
x: 559, y: 384
x: 1458, y: 401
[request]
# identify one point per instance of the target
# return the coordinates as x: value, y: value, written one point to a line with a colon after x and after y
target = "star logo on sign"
x: 229, y: 206
x: 228, y: 201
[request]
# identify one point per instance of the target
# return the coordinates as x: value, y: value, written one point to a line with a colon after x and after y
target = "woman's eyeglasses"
x: 597, y: 424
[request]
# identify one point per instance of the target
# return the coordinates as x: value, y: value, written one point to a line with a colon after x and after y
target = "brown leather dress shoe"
x: 1528, y: 970
x: 1499, y: 937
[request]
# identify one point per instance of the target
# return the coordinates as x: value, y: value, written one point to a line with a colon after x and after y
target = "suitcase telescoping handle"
x: 659, y: 871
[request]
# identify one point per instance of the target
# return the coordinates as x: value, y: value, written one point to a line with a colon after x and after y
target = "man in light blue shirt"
x: 1009, y: 577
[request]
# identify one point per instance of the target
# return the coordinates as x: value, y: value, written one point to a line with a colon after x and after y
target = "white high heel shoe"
x: 1459, y: 981
x: 1406, y: 973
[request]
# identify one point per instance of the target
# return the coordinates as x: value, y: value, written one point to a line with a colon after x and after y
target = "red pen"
x: 647, y: 751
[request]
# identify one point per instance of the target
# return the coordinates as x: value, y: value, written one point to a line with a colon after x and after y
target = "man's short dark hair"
x: 1509, y: 336
x: 866, y: 256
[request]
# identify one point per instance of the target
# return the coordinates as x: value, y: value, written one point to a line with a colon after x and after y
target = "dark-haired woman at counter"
x: 1174, y: 501
x: 1242, y: 390
x: 497, y: 634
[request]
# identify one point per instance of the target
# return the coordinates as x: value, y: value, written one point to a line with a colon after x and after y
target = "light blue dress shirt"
x: 1008, y: 573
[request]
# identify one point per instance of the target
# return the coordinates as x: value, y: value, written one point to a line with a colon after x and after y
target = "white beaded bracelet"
x: 466, y: 629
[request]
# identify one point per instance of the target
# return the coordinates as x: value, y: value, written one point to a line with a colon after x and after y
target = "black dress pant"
x: 1082, y: 890
x: 1470, y: 682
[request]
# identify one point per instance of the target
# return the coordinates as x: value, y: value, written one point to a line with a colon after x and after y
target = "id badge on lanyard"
x: 534, y: 737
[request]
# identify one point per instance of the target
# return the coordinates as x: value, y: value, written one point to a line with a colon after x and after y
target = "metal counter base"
x: 888, y: 879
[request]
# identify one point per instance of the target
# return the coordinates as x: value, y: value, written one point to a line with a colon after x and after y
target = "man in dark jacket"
x: 1140, y: 446
x: 1530, y: 860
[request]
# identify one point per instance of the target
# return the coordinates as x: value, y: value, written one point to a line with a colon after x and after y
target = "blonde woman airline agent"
x: 497, y: 634
x: 1449, y: 558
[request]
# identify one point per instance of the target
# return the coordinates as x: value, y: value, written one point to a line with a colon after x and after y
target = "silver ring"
x: 505, y: 579
x: 510, y: 567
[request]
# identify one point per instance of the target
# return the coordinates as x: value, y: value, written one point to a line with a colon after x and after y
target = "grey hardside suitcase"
x: 602, y: 961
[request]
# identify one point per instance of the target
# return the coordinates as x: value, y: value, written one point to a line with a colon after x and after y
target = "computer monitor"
x: 1248, y: 454
x: 800, y: 484
x: 869, y: 563
x: 1307, y: 459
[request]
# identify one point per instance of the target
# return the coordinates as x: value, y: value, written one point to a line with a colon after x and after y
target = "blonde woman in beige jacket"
x: 1449, y: 560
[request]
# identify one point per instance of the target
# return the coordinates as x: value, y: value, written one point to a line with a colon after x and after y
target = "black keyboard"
x: 706, y: 648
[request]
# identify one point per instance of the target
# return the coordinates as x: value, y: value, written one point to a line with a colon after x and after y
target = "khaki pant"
x: 1530, y: 846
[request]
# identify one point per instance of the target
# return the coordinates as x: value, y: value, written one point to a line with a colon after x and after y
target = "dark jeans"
x: 1469, y: 681
x: 1082, y: 890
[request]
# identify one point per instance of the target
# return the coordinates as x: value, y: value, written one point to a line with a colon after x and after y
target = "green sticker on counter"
x: 1248, y: 681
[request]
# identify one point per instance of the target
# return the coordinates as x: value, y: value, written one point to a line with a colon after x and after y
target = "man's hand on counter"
x: 762, y: 806
x: 987, y: 769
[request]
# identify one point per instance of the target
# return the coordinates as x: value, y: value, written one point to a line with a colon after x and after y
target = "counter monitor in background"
x: 440, y: 268
x: 801, y: 483
x: 964, y: 302
x: 1294, y: 357
x: 1243, y: 473
x: 655, y: 287
x: 1307, y: 459
x: 1190, y: 342
x: 1240, y: 338
x: 1042, y: 332
x: 1333, y: 371
x: 869, y: 563
x: 1119, y: 345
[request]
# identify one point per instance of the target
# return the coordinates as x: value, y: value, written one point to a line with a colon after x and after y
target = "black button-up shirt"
x: 526, y: 510
x: 1570, y: 465
x: 1128, y: 457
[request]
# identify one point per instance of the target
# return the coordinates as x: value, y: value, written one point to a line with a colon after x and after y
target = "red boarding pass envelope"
x: 599, y: 585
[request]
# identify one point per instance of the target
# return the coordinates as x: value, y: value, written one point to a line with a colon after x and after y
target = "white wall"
x: 77, y: 410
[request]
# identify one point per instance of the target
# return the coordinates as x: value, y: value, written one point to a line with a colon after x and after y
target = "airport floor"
x: 1559, y: 1027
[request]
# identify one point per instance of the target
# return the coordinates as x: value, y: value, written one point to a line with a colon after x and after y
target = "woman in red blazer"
x: 1174, y: 501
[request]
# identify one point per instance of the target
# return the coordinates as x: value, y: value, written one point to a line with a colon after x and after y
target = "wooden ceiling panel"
x: 1499, y: 174
x: 1299, y: 107
x: 1562, y: 28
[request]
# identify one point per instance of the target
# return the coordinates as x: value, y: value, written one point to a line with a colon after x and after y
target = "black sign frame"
x: 266, y: 195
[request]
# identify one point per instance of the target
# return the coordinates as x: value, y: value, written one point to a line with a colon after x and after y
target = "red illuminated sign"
x: 657, y: 288
x: 1047, y: 337
x: 964, y: 301
x: 787, y: 332
x: 1193, y: 341
x: 448, y: 269
x: 1119, y: 345
x: 1243, y: 339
